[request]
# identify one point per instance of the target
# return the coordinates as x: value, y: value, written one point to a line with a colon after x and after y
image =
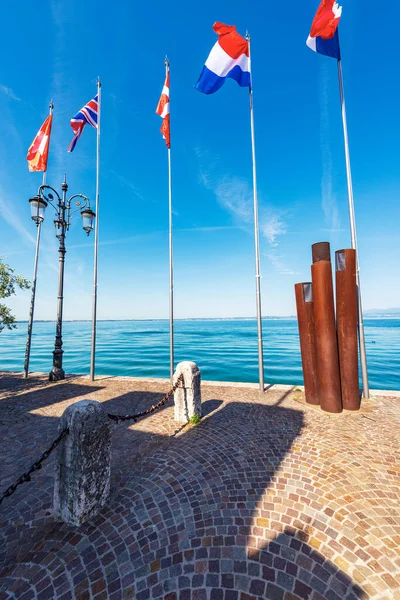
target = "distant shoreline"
x: 289, y: 318
x: 367, y: 315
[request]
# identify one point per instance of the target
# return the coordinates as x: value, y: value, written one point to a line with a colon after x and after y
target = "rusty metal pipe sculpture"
x: 328, y: 376
x: 346, y: 318
x: 305, y: 318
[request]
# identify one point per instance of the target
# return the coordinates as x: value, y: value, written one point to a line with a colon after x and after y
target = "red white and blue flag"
x: 324, y: 37
x: 88, y: 114
x: 228, y: 58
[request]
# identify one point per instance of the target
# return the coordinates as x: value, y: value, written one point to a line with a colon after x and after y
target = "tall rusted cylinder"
x: 328, y: 376
x: 305, y: 318
x: 346, y: 322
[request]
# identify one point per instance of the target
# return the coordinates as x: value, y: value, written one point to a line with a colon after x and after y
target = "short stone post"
x: 187, y: 398
x: 82, y: 477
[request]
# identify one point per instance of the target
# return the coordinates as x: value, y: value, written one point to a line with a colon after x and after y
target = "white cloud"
x: 333, y: 230
x: 80, y: 268
x: 279, y: 265
x: 9, y: 92
x: 236, y: 196
x: 10, y: 215
x: 127, y: 183
x: 122, y: 240
x: 208, y: 229
x: 272, y: 226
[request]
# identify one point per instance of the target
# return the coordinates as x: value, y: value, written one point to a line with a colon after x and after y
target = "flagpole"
x: 171, y: 277
x: 96, y: 237
x: 35, y: 266
x: 256, y: 236
x: 171, y: 272
x: 361, y: 336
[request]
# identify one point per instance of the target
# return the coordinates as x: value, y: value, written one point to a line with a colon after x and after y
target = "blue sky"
x: 56, y: 48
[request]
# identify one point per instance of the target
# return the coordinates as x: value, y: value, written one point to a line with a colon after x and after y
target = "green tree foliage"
x: 8, y: 283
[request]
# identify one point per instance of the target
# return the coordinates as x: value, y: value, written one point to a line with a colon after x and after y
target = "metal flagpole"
x: 96, y: 235
x: 171, y: 276
x: 33, y: 295
x: 256, y: 237
x: 32, y: 305
x: 361, y: 337
x: 171, y: 273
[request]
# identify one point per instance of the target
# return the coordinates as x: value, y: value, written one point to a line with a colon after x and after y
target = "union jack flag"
x: 88, y: 114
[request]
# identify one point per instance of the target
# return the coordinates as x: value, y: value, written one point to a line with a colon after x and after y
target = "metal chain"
x: 35, y: 467
x: 119, y: 418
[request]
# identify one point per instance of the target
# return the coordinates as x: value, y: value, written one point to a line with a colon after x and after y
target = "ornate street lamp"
x: 87, y: 219
x: 48, y: 195
x: 38, y: 206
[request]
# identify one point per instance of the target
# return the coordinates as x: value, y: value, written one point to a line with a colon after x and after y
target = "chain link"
x: 119, y: 418
x: 35, y: 467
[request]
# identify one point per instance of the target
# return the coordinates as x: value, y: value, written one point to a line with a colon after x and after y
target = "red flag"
x: 163, y: 110
x: 326, y: 20
x: 39, y: 149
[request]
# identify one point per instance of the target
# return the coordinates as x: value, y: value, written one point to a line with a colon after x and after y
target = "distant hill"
x: 382, y: 312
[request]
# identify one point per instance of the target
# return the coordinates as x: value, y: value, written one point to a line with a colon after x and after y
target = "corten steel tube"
x: 328, y: 377
x: 346, y: 317
x: 305, y: 318
x: 321, y: 251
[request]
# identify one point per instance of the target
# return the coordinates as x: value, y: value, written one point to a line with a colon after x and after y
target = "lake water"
x: 225, y: 350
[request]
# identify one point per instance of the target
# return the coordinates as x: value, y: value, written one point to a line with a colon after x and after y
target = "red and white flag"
x: 163, y: 110
x: 39, y: 149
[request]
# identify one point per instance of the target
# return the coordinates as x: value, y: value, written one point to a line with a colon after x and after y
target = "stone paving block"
x: 267, y: 498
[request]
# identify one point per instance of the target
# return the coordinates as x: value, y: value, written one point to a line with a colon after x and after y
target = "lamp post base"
x: 56, y: 374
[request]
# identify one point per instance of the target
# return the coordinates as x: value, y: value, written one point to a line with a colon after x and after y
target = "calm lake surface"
x: 225, y: 350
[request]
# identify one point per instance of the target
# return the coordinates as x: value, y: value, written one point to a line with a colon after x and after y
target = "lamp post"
x: 48, y: 195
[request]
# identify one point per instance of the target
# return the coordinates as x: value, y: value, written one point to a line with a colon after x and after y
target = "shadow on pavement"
x: 189, y: 516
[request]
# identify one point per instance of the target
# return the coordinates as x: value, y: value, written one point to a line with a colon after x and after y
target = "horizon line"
x: 384, y: 312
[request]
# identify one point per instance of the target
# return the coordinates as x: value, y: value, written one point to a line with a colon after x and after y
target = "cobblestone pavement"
x: 265, y: 498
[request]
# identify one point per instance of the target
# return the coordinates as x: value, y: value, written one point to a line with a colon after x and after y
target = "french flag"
x: 324, y: 37
x: 228, y: 58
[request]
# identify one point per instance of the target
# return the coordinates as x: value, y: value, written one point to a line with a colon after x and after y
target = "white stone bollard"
x: 187, y: 399
x: 82, y: 477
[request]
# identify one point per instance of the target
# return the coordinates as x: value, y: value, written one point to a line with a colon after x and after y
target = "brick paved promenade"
x: 265, y: 498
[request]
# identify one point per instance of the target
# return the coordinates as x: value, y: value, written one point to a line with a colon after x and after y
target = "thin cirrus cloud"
x: 272, y: 226
x: 10, y: 215
x: 11, y: 209
x: 276, y: 260
x: 4, y: 89
x: 129, y: 184
x: 236, y: 196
